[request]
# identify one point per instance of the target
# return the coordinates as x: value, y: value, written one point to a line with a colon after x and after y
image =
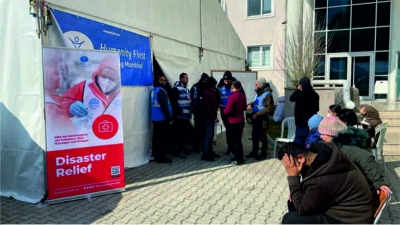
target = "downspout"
x: 346, y: 90
x: 201, y: 36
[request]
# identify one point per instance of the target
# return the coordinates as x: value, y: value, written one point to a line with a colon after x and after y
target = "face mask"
x: 106, y: 85
x: 328, y: 114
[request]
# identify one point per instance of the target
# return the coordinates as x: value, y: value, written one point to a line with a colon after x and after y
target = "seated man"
x: 331, y: 190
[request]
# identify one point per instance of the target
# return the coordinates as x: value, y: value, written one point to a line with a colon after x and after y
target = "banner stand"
x: 91, y: 195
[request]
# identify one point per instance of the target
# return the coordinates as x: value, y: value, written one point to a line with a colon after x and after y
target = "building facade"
x: 362, y: 40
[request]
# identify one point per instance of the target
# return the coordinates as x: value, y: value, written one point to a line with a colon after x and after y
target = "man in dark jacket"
x: 306, y: 105
x: 331, y: 188
x: 262, y: 107
x: 210, y: 117
x: 161, y: 115
x: 196, y: 93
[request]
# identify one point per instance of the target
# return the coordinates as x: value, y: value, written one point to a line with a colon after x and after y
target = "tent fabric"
x: 22, y: 136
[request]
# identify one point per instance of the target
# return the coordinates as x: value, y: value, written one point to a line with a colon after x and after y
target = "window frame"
x: 261, y: 15
x: 271, y: 60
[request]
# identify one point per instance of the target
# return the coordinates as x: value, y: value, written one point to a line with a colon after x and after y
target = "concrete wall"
x: 395, y: 48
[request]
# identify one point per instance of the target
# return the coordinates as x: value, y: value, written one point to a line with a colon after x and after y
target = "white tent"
x: 192, y: 36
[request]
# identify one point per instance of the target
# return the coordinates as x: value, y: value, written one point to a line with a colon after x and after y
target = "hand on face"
x: 292, y: 167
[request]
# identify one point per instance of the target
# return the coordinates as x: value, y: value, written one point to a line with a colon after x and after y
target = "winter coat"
x: 268, y: 106
x: 306, y: 105
x: 334, y: 186
x: 313, y: 136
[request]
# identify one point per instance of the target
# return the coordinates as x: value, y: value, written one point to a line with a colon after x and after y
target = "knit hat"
x: 331, y: 126
x: 305, y: 81
x: 261, y: 81
x: 204, y: 76
x: 314, y: 121
x: 227, y: 75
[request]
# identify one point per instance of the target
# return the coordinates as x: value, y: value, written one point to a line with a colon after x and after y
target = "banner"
x: 83, y: 114
x: 134, y: 50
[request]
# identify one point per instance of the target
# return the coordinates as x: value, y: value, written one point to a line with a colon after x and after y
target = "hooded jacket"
x: 351, y: 142
x: 306, y: 105
x: 334, y: 186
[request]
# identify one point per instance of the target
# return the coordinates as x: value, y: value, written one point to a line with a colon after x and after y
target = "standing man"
x: 196, y: 93
x: 182, y: 104
x: 306, y: 105
x: 210, y: 117
x: 261, y: 108
x: 224, y: 91
x: 235, y: 113
x: 161, y: 115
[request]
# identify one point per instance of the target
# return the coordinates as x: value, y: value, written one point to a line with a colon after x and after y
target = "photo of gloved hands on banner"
x: 82, y: 97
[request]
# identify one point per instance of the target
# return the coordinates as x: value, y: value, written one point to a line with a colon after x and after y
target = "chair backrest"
x: 384, y: 199
x: 289, y: 122
x: 381, y: 130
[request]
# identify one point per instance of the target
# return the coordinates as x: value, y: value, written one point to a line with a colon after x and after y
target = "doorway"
x: 357, y: 69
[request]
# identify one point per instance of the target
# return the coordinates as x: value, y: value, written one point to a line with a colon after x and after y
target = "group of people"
x: 203, y: 101
x: 332, y: 175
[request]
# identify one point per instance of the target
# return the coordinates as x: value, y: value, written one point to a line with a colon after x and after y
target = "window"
x: 259, y: 56
x: 259, y: 7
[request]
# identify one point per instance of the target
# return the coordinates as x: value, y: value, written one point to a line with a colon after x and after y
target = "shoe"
x: 215, y: 155
x: 183, y: 155
x: 251, y: 155
x: 261, y: 157
x: 207, y: 158
x: 165, y: 160
x: 236, y: 163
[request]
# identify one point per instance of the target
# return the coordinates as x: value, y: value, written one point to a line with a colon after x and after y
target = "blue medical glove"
x: 78, y: 109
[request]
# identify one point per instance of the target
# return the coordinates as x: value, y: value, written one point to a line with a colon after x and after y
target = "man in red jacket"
x: 235, y: 114
x: 210, y: 117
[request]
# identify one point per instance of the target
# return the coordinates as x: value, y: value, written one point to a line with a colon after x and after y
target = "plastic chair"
x: 384, y: 199
x: 381, y: 130
x: 291, y: 132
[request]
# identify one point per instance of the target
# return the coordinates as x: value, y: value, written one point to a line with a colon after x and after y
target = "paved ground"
x: 188, y: 191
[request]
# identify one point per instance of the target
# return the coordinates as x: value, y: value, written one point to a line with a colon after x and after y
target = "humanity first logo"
x: 77, y: 39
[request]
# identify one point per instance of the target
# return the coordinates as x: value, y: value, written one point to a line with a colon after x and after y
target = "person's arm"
x: 295, y: 95
x: 163, y: 100
x: 174, y: 101
x: 230, y: 105
x: 366, y: 162
x: 268, y: 106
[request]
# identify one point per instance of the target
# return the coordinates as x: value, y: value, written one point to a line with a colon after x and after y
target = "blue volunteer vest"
x: 156, y: 112
x: 224, y: 93
x: 184, y: 102
x: 259, y: 102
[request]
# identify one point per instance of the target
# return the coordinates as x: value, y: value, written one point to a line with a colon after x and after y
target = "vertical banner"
x: 83, y: 113
x: 134, y: 49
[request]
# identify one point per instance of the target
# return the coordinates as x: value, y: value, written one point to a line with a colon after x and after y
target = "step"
x: 392, y: 122
x: 389, y: 114
x: 392, y: 135
x: 391, y: 149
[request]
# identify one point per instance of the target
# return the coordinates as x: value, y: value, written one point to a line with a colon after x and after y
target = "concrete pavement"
x: 188, y: 191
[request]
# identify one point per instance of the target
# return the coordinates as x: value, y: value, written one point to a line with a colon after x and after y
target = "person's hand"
x: 289, y: 198
x: 385, y: 189
x: 363, y: 111
x: 254, y: 117
x: 248, y: 107
x: 78, y: 109
x: 299, y: 87
x: 171, y: 122
x: 292, y: 167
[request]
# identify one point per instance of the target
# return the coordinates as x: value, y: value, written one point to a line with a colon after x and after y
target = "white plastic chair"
x: 381, y: 130
x: 291, y: 132
x: 384, y: 199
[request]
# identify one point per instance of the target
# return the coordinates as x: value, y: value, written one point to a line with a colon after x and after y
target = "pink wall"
x: 260, y: 31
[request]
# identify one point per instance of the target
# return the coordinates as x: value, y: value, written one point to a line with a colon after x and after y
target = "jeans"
x: 301, y: 135
x: 236, y: 140
x: 160, y: 131
x: 208, y: 138
x: 259, y: 133
x: 292, y: 217
x: 227, y: 130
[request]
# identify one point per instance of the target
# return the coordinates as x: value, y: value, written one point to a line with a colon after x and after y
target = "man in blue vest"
x: 182, y: 105
x: 196, y: 93
x: 161, y: 115
x: 261, y: 108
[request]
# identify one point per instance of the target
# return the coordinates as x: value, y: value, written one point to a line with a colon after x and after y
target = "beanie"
x: 305, y: 81
x: 227, y: 75
x: 261, y: 81
x: 314, y: 121
x: 331, y: 126
x: 204, y: 76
